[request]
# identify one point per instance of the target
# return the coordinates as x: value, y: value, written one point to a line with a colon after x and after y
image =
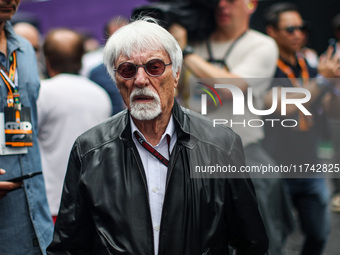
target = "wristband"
x: 324, y: 84
x: 187, y: 51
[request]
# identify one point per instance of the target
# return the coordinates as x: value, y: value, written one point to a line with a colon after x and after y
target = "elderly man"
x: 128, y: 188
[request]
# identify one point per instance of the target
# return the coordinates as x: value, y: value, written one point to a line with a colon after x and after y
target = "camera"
x: 197, y: 16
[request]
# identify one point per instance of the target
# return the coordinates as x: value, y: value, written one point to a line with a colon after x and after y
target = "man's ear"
x: 48, y: 66
x: 51, y: 73
x: 118, y: 85
x: 177, y: 78
x: 270, y: 30
x: 251, y: 6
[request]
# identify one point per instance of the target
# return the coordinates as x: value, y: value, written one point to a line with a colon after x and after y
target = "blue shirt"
x: 100, y: 76
x: 25, y: 221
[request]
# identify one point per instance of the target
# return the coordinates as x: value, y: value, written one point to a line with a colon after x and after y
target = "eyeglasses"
x: 291, y: 29
x: 154, y: 67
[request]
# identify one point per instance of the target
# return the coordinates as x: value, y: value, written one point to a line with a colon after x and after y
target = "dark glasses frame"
x: 145, y: 66
x: 291, y: 29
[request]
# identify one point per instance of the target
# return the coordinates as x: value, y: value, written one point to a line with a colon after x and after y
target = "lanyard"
x: 224, y: 59
x: 9, y: 78
x: 305, y: 122
x: 152, y: 150
x: 289, y: 72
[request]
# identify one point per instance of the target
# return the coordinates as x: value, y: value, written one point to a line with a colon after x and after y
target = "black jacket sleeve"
x: 248, y: 234
x: 73, y: 229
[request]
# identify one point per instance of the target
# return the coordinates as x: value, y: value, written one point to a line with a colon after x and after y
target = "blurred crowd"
x: 77, y: 93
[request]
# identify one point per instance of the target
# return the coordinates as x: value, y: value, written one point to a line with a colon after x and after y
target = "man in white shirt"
x: 68, y: 105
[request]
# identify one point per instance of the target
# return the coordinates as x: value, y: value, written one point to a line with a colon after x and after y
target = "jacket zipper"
x: 165, y: 193
x: 147, y: 192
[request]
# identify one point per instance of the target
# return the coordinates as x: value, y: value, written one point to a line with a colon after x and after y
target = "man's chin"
x: 144, y: 114
x: 145, y: 111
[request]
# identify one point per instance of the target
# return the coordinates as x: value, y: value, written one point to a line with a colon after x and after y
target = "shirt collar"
x: 170, y: 129
x: 12, y: 38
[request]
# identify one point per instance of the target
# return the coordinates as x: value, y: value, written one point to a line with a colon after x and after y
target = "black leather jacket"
x: 105, y: 204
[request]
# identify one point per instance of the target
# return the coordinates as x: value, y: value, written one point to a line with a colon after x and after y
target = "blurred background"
x: 89, y: 17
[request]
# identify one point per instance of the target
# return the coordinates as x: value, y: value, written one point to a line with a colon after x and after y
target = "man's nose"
x: 298, y: 34
x: 141, y: 77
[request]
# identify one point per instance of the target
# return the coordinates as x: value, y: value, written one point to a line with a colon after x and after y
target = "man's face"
x: 115, y: 26
x: 231, y: 13
x: 288, y: 33
x: 8, y: 9
x: 148, y: 97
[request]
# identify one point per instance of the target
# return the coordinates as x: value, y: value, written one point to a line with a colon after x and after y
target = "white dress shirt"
x: 156, y: 173
x: 67, y: 106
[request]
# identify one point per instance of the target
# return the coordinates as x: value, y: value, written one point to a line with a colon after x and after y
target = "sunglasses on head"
x: 154, y: 67
x: 291, y: 29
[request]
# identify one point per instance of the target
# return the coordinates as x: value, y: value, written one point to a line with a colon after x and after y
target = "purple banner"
x: 83, y: 15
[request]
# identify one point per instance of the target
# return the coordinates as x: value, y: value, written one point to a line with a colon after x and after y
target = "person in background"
x: 236, y: 54
x: 94, y: 58
x: 309, y: 54
x: 32, y: 34
x: 29, y: 32
x: 100, y: 75
x: 335, y: 127
x: 297, y: 146
x: 128, y: 187
x: 91, y: 43
x: 114, y: 24
x: 25, y: 221
x: 68, y: 105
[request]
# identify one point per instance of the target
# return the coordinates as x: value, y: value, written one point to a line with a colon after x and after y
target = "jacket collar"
x: 12, y: 38
x: 182, y: 124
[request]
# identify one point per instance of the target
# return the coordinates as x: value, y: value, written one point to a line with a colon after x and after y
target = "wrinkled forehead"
x: 140, y: 46
x: 143, y: 55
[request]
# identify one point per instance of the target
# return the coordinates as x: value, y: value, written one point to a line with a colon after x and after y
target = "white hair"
x: 138, y: 36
